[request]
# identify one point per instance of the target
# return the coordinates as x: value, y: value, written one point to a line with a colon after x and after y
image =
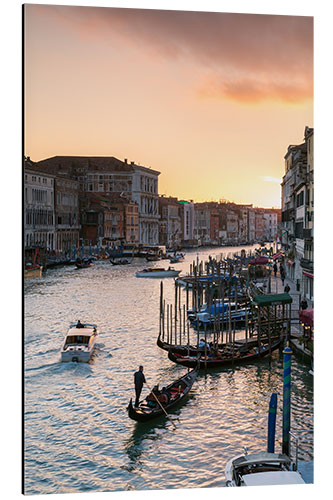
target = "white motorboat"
x: 157, y: 273
x: 79, y: 342
x: 260, y: 469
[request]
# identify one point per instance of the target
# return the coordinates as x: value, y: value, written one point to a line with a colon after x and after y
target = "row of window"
x: 67, y: 199
x: 147, y: 184
x: 39, y: 195
x: 39, y: 217
x: 46, y: 239
x: 40, y: 179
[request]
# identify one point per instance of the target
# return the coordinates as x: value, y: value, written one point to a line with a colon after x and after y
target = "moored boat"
x: 152, y: 257
x: 208, y: 320
x: 193, y: 350
x: 79, y: 342
x: 83, y: 263
x: 226, y: 356
x: 168, y: 398
x: 260, y: 469
x: 157, y: 273
x: 119, y: 262
x: 33, y: 271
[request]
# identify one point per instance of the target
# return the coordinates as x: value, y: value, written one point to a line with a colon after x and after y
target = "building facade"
x: 187, y: 216
x: 67, y: 219
x: 170, y: 222
x: 39, y: 213
x: 298, y: 214
x: 108, y: 176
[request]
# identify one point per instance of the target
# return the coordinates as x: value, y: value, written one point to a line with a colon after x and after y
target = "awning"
x: 308, y: 275
x: 277, y: 255
x: 272, y: 299
x: 306, y: 316
x: 258, y: 261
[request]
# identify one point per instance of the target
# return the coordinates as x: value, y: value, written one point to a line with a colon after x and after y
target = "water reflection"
x: 76, y: 419
x: 143, y: 434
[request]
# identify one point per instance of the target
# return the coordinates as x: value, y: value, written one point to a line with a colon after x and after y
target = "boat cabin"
x: 77, y: 339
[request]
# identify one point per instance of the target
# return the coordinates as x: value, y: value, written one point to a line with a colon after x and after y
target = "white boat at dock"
x: 158, y: 272
x: 79, y: 342
x: 261, y: 469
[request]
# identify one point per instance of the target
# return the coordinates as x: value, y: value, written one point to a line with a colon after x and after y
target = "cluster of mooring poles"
x: 222, y: 288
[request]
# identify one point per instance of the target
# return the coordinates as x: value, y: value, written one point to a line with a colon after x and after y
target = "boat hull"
x: 35, y: 272
x: 74, y: 355
x: 238, y: 358
x: 157, y: 274
x: 194, y: 351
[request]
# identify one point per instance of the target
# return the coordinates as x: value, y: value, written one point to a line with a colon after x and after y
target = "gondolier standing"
x: 139, y: 380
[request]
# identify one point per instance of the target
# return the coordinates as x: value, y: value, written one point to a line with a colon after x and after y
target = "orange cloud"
x: 250, y: 57
x: 252, y: 91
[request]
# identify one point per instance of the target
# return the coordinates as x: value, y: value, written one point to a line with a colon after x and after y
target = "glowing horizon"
x: 210, y: 100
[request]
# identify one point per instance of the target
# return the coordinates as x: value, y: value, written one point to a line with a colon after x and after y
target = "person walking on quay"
x: 287, y: 288
x: 282, y: 274
x: 304, y: 304
x: 139, y: 380
x: 275, y: 268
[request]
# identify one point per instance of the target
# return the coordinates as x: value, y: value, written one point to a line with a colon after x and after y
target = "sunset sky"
x: 211, y: 100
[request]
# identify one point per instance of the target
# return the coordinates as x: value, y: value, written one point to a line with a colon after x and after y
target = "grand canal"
x: 78, y: 436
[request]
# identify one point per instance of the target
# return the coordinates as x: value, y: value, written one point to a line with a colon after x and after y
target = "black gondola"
x: 193, y: 350
x: 152, y: 258
x: 175, y: 393
x: 226, y: 357
x: 120, y: 262
x: 83, y: 263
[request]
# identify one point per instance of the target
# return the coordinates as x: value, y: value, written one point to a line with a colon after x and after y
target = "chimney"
x: 125, y: 161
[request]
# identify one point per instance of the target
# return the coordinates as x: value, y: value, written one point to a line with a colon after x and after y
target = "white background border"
x: 11, y: 122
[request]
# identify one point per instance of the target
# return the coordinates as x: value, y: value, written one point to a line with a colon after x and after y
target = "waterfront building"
x: 92, y: 221
x: 108, y: 176
x: 259, y: 225
x: 187, y: 216
x: 295, y: 160
x: 39, y: 214
x: 251, y: 226
x: 297, y: 214
x: 170, y: 222
x: 131, y: 222
x: 67, y: 225
x: 214, y: 226
x: 145, y: 194
x: 307, y: 261
x: 232, y: 227
x: 202, y: 223
x: 270, y: 224
x: 109, y: 220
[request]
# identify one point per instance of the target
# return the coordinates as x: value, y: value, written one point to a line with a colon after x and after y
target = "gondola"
x: 176, y: 392
x: 120, y: 262
x: 83, y: 263
x: 193, y: 350
x: 227, y: 356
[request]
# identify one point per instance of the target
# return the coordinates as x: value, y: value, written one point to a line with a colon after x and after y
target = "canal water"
x: 78, y: 437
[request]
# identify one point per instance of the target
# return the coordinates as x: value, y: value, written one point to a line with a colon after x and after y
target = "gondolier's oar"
x: 152, y: 392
